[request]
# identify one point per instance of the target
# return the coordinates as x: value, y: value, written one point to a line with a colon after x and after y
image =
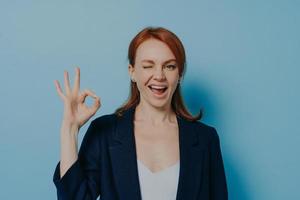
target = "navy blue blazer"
x: 107, y: 163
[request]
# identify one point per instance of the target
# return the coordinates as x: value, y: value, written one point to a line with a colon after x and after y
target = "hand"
x: 75, y: 111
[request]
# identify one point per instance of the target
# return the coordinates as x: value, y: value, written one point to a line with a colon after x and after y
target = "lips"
x: 158, y: 89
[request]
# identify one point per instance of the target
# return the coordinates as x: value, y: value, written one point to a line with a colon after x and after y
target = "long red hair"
x: 173, y: 42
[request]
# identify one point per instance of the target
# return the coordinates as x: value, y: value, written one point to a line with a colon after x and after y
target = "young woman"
x: 151, y: 148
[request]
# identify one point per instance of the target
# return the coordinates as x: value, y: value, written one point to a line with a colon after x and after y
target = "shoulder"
x: 99, y: 129
x: 204, y: 131
x: 104, y: 121
x: 104, y: 118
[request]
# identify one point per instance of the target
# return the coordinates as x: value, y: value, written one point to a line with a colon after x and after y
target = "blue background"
x: 243, y: 69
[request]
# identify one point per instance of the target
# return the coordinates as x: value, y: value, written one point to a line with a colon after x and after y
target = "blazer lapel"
x: 191, y: 161
x: 124, y: 159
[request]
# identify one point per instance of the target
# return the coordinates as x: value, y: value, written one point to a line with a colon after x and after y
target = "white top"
x: 161, y: 185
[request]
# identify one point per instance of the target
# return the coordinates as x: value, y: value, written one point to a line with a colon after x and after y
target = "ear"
x: 131, y: 71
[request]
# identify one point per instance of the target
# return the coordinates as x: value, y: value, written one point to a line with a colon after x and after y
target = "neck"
x: 157, y: 116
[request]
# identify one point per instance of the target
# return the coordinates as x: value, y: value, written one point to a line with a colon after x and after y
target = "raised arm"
x: 76, y: 114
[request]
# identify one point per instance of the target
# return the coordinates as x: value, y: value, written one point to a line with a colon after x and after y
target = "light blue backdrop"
x: 243, y: 68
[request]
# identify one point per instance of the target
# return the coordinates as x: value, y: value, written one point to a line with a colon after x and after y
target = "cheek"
x: 173, y: 80
x: 174, y: 85
x: 143, y: 78
x: 141, y: 84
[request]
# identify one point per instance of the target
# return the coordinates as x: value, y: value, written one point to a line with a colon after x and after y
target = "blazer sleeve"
x: 218, y: 187
x: 82, y: 180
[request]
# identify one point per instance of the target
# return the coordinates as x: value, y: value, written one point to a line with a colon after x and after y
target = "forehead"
x: 153, y: 49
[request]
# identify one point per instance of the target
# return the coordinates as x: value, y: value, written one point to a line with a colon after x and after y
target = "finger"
x: 96, y: 104
x: 58, y: 89
x: 77, y: 80
x: 67, y: 82
x: 86, y: 93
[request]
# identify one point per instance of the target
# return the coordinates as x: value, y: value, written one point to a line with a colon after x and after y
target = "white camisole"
x: 161, y: 185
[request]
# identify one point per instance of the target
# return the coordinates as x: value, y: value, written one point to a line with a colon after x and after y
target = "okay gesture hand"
x: 76, y: 112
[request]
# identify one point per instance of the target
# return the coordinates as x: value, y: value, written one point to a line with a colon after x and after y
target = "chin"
x: 159, y: 103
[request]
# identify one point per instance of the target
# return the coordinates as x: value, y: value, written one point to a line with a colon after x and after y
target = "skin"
x: 158, y: 148
x: 76, y: 114
x: 154, y: 109
x: 155, y: 124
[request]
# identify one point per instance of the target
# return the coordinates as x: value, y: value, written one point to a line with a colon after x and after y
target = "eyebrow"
x: 152, y: 62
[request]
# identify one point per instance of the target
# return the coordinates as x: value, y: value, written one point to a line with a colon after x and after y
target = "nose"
x: 159, y: 74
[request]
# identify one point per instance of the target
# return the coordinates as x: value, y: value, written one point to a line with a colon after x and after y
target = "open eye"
x: 171, y: 67
x: 146, y: 67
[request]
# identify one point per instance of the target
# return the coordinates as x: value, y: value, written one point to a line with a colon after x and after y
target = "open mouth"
x: 158, y: 90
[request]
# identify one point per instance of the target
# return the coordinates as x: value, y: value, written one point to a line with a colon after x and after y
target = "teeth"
x: 158, y: 87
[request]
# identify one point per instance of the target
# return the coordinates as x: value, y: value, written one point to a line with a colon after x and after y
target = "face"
x: 155, y: 73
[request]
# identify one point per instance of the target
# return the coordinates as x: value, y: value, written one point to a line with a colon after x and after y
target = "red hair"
x: 175, y: 45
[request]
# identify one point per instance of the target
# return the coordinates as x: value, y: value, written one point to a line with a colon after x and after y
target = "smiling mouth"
x: 158, y: 90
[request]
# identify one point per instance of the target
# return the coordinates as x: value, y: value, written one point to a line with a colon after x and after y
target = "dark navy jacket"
x: 107, y: 163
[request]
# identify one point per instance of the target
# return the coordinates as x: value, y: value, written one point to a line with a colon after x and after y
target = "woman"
x: 151, y: 147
